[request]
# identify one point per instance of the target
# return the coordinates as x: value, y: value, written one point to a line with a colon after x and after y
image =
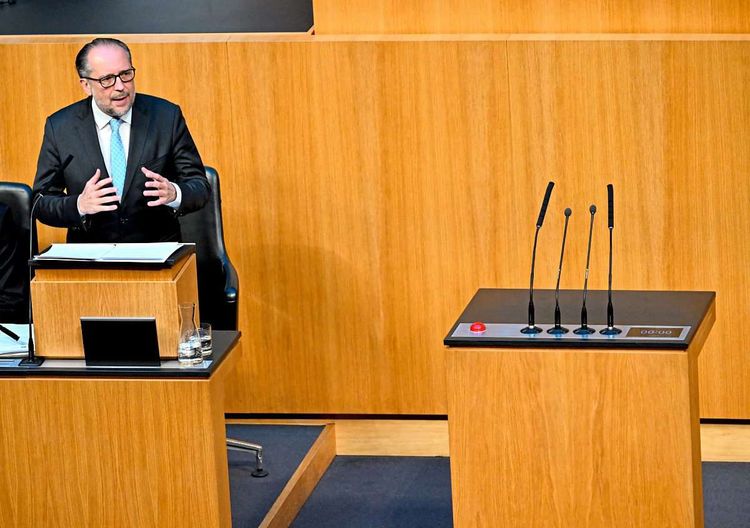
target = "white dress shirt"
x: 104, y: 131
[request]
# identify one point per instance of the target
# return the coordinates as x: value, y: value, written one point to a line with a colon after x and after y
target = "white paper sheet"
x: 146, y: 252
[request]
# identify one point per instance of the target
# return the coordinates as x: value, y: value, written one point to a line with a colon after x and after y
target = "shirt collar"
x: 103, y: 119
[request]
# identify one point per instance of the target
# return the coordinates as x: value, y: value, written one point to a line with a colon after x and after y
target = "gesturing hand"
x: 160, y: 187
x: 97, y: 195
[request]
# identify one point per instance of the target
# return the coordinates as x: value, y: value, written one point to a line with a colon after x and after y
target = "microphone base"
x: 558, y: 330
x: 584, y: 330
x: 610, y: 330
x: 531, y: 330
x: 31, y: 361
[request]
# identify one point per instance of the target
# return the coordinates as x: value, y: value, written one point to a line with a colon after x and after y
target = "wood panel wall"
x: 370, y: 186
x: 529, y: 16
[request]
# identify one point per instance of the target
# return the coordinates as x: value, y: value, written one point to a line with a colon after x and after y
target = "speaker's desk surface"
x: 84, y: 446
x: 644, y: 317
x: 557, y: 432
x: 224, y: 341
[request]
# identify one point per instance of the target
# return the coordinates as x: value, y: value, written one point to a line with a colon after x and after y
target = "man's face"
x: 116, y: 100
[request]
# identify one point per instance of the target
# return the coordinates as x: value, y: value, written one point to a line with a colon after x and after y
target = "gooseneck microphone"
x: 532, y: 328
x: 584, y: 328
x: 611, y: 329
x: 32, y: 360
x: 558, y: 328
x: 10, y: 333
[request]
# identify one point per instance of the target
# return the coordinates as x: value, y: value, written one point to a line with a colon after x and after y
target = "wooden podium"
x: 96, y: 447
x: 63, y: 292
x: 578, y: 431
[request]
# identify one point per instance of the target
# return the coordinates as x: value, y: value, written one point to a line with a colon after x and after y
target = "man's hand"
x: 97, y: 195
x: 160, y: 187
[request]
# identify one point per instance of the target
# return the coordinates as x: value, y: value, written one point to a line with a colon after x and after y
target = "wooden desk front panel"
x: 561, y: 438
x: 115, y: 453
x: 62, y: 297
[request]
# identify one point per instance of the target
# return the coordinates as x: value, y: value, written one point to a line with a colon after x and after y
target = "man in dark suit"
x: 115, y: 167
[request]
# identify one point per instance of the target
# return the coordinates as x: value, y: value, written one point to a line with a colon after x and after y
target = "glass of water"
x: 204, y: 331
x: 189, y: 349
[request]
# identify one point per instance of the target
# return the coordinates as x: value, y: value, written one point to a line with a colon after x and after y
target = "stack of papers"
x: 157, y: 252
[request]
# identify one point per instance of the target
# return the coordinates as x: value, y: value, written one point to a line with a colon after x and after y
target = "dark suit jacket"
x: 159, y: 140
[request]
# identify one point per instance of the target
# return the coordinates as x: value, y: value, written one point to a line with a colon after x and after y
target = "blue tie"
x: 117, y: 156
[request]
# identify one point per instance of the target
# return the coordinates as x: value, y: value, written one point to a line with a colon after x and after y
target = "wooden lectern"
x: 595, y: 431
x: 116, y: 446
x: 63, y: 292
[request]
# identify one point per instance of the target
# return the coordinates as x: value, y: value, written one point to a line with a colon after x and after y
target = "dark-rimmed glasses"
x: 109, y: 81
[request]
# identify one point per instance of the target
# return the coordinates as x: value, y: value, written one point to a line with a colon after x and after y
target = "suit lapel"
x: 138, y: 133
x: 86, y: 128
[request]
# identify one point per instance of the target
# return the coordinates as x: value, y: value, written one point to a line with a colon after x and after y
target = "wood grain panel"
x: 90, y: 453
x: 725, y: 443
x: 665, y: 122
x: 362, y: 160
x: 573, y: 438
x: 60, y: 299
x: 392, y: 437
x: 529, y: 16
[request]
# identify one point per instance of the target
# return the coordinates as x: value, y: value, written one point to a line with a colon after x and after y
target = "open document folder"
x: 157, y: 252
x: 9, y: 347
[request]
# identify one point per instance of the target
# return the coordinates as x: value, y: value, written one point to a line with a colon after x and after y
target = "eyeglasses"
x: 109, y: 81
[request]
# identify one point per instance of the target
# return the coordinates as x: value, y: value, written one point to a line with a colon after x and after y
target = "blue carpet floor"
x: 726, y: 494
x: 393, y: 492
x: 401, y: 492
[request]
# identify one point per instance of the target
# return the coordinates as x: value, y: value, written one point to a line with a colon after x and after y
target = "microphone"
x: 558, y: 328
x: 10, y: 333
x: 32, y: 360
x: 611, y: 329
x: 532, y: 328
x: 584, y: 328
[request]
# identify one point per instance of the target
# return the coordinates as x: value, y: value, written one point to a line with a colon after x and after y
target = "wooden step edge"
x: 303, y: 481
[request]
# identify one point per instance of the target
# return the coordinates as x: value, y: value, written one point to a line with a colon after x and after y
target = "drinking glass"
x: 204, y: 331
x: 189, y: 349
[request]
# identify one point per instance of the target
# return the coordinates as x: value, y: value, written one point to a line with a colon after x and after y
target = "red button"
x: 478, y: 328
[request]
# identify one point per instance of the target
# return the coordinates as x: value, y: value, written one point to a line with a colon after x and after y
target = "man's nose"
x: 119, y: 85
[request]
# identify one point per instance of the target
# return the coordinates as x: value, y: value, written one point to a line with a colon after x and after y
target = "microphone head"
x: 592, y: 209
x: 611, y: 204
x: 568, y: 212
x: 545, y: 203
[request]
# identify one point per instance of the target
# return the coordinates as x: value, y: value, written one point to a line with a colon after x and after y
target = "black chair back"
x: 218, y: 284
x: 14, y: 252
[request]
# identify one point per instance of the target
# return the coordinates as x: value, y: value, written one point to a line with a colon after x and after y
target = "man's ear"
x: 85, y: 86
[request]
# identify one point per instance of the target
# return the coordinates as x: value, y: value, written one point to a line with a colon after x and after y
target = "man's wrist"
x: 175, y: 204
x: 78, y: 206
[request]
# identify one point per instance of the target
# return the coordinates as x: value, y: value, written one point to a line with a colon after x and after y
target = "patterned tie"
x: 117, y: 156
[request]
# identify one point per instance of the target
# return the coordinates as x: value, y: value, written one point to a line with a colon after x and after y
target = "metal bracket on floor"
x: 240, y: 445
